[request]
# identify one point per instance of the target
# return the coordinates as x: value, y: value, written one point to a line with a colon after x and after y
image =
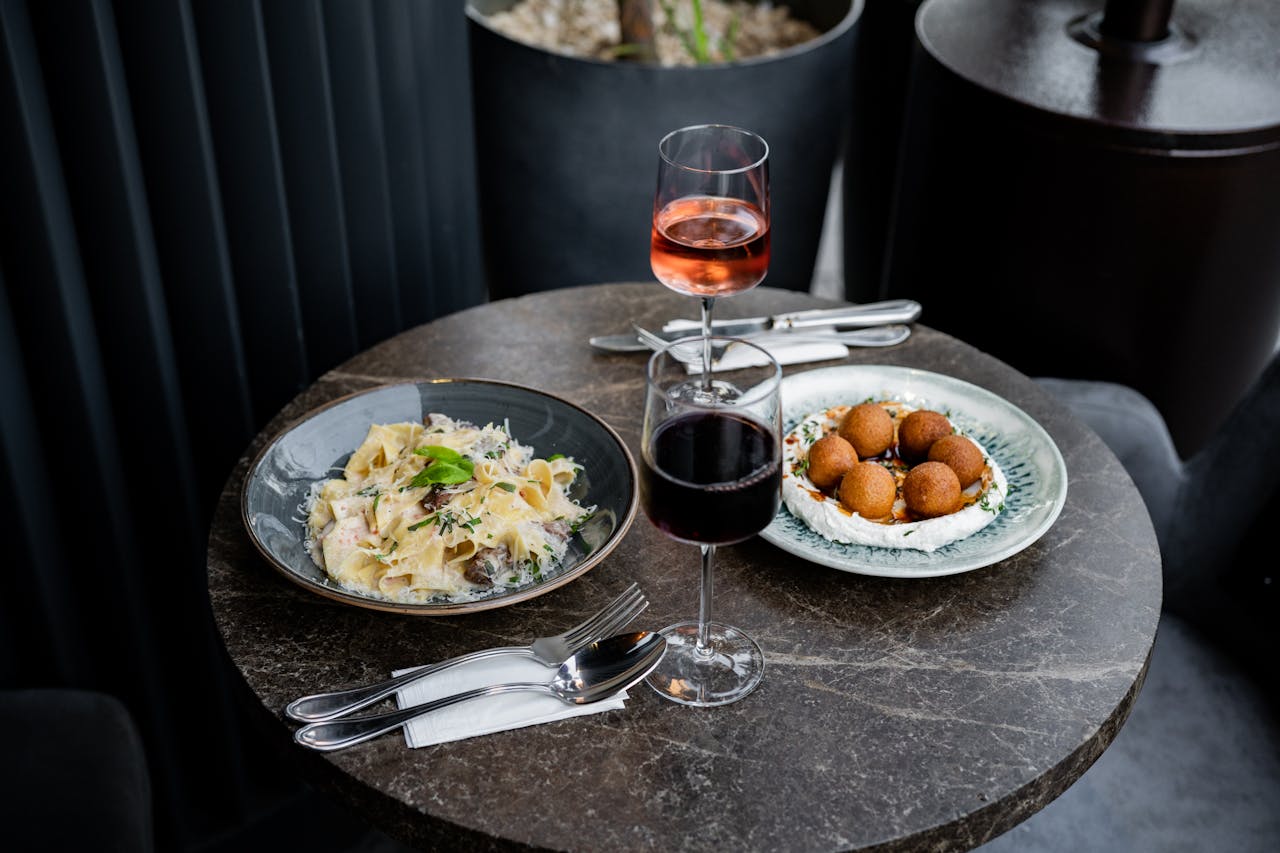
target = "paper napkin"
x: 783, y: 351
x: 487, y: 714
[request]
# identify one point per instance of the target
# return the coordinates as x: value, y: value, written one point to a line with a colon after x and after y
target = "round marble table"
x: 894, y: 714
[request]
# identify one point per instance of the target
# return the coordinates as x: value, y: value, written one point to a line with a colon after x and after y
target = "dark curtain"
x: 205, y: 204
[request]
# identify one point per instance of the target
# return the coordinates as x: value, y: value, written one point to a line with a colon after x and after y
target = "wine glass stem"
x: 704, y: 604
x: 707, y: 303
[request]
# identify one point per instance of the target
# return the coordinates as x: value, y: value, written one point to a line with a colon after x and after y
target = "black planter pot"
x: 567, y: 148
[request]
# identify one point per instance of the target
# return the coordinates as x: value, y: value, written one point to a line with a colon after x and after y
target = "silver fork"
x: 877, y: 336
x: 550, y: 651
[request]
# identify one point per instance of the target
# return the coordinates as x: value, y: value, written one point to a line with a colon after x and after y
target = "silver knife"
x: 848, y: 317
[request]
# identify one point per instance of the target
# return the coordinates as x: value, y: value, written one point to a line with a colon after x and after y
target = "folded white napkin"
x: 782, y: 350
x: 487, y: 714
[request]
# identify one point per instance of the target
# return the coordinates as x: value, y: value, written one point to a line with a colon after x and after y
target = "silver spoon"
x: 596, y: 672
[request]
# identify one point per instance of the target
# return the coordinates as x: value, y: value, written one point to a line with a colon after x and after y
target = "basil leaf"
x: 444, y: 473
x: 448, y: 475
x: 440, y: 452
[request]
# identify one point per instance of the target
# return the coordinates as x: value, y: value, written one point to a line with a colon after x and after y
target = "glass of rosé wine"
x: 710, y: 232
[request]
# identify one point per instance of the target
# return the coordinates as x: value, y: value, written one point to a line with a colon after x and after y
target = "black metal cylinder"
x: 1084, y: 215
x: 1137, y: 20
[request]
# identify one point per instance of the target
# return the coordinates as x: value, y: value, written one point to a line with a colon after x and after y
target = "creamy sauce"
x: 982, y: 501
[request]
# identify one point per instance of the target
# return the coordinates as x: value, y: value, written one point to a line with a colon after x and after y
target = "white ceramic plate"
x: 1020, y: 446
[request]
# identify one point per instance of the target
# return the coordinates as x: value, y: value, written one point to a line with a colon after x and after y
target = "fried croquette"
x: 918, y: 431
x: 868, y: 428
x: 869, y: 490
x: 830, y: 458
x: 931, y: 489
x: 960, y: 455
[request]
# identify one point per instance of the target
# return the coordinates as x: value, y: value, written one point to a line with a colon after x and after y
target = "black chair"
x: 1197, y: 764
x: 75, y: 775
x: 1211, y: 511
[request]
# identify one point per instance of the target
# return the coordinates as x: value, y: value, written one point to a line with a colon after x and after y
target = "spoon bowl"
x: 595, y: 672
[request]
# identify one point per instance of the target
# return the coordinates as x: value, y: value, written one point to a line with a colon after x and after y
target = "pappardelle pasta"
x: 443, y: 510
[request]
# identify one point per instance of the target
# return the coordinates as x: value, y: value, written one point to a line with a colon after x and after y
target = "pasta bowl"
x: 316, y: 447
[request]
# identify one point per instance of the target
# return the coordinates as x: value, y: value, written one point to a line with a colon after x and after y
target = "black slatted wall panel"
x: 203, y: 205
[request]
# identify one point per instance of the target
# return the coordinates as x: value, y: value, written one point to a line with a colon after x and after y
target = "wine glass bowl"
x: 710, y: 233
x: 711, y: 474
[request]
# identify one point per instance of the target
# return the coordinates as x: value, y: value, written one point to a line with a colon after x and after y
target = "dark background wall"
x: 204, y: 204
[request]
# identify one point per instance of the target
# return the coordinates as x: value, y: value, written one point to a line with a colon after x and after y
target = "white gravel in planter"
x: 589, y: 28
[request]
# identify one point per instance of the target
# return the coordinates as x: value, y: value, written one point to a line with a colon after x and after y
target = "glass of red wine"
x: 711, y: 475
x: 711, y: 216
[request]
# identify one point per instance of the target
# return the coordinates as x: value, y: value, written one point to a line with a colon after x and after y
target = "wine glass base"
x: 702, y: 393
x: 732, y: 670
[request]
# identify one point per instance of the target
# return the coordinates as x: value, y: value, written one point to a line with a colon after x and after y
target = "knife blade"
x: 847, y: 317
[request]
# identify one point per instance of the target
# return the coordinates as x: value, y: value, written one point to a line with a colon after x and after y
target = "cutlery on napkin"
x: 786, y: 348
x: 862, y: 316
x: 487, y: 714
x: 818, y: 321
x: 783, y: 352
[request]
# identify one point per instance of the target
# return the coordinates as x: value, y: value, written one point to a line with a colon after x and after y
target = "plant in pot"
x: 567, y: 145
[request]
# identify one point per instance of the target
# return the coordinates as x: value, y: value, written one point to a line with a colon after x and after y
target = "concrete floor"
x: 1195, y: 768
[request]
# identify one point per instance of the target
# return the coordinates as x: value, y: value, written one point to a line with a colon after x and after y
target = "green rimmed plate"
x: 1019, y: 445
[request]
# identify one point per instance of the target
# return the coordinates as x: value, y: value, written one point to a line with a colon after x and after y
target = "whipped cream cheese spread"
x: 983, y: 500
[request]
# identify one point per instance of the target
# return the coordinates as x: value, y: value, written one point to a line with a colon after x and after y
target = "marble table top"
x: 894, y: 714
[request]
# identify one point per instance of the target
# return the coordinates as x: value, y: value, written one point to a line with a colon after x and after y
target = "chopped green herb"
x: 428, y: 520
x: 376, y: 498
x: 907, y: 533
x: 506, y: 487
x: 554, y: 456
x: 986, y: 505
x: 368, y: 491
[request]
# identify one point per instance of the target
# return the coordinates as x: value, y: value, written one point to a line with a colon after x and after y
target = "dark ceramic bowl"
x: 317, y: 447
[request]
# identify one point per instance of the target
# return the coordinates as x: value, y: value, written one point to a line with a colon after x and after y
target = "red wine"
x: 711, y: 478
x: 709, y: 246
